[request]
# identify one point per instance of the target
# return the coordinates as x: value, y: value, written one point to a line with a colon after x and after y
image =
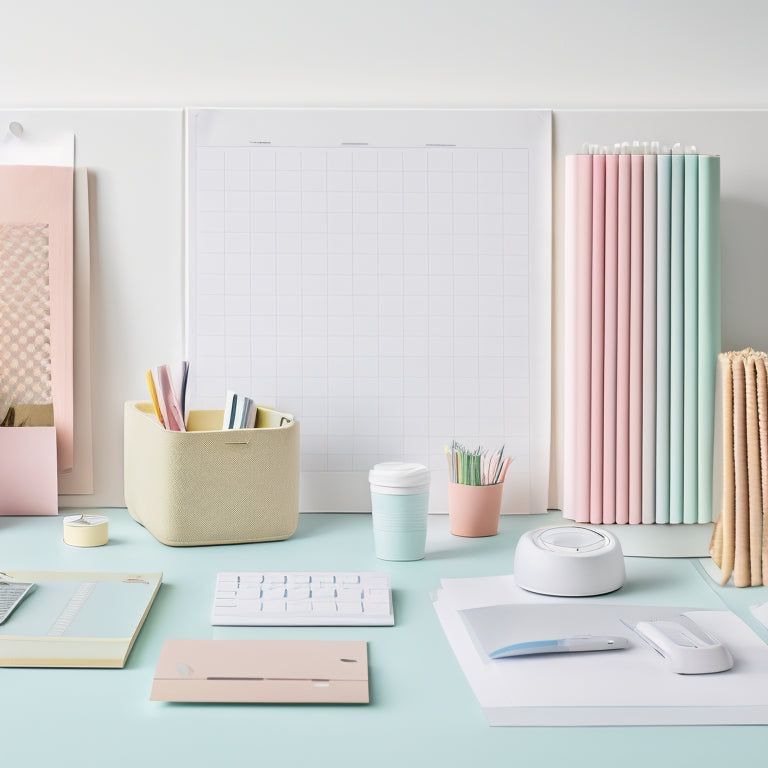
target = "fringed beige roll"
x: 762, y: 415
x: 722, y: 545
x: 754, y: 472
x: 741, y: 510
x: 740, y: 482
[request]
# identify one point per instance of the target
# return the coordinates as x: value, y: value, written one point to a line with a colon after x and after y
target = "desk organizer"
x: 208, y: 485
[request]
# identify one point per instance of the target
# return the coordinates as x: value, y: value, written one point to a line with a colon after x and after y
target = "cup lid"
x: 399, y: 474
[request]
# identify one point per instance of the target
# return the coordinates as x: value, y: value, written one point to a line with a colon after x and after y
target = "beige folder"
x: 261, y: 671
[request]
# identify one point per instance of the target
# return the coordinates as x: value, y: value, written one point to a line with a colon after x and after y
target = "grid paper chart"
x: 380, y: 294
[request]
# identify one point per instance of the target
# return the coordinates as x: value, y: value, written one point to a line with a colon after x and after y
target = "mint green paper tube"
x: 663, y: 265
x: 709, y: 322
x: 691, y: 342
x: 676, y: 338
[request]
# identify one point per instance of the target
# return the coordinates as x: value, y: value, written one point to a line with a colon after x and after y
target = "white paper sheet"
x: 385, y: 276
x: 760, y: 612
x: 35, y: 146
x: 627, y: 687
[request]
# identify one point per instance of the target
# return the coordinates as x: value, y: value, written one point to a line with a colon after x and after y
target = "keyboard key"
x: 323, y: 593
x: 377, y: 609
x: 349, y: 593
x: 297, y: 592
x: 227, y: 608
x: 350, y: 608
x: 323, y: 607
x: 251, y: 579
x: 272, y: 607
x: 299, y: 607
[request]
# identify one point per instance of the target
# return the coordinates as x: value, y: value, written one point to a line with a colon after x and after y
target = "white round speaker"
x: 569, y: 561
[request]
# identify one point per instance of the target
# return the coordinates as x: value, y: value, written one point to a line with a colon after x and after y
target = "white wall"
x: 486, y: 53
x: 548, y: 53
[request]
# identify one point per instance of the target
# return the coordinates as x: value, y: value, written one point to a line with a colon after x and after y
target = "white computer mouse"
x: 688, y: 649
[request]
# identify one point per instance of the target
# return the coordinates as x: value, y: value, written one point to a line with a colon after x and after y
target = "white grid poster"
x: 390, y: 291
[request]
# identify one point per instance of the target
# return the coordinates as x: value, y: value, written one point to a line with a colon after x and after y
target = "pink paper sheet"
x: 636, y: 344
x: 598, y: 338
x: 44, y: 194
x: 28, y: 471
x: 569, y: 351
x: 609, y: 348
x: 583, y: 336
x: 622, y: 338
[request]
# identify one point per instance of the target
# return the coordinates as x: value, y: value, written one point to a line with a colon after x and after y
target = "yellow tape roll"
x: 86, y: 530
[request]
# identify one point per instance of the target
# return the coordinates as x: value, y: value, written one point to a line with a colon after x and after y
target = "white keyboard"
x: 302, y: 599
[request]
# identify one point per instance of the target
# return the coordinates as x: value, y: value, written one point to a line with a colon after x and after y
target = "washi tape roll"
x: 86, y: 530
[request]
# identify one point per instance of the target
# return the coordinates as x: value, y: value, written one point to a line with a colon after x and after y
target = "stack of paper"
x: 621, y: 687
x: 642, y: 335
x: 740, y: 538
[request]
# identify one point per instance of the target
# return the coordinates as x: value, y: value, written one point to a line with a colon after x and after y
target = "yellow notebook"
x: 76, y: 619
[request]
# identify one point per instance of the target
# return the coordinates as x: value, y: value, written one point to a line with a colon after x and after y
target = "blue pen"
x: 561, y: 645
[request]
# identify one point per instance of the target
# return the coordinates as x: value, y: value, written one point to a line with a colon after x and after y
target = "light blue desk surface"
x: 422, y: 709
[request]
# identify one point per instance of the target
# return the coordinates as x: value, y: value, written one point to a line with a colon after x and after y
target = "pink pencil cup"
x: 474, y: 510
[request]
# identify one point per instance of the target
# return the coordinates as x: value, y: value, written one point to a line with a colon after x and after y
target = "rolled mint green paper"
x: 676, y: 338
x: 709, y: 310
x: 691, y: 342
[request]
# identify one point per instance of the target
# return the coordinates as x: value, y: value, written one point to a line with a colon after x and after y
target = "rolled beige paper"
x: 754, y: 471
x: 722, y: 547
x: 86, y: 530
x: 741, y: 569
x: 762, y: 412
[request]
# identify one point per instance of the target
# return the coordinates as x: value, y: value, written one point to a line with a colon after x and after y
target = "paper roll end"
x: 86, y: 530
